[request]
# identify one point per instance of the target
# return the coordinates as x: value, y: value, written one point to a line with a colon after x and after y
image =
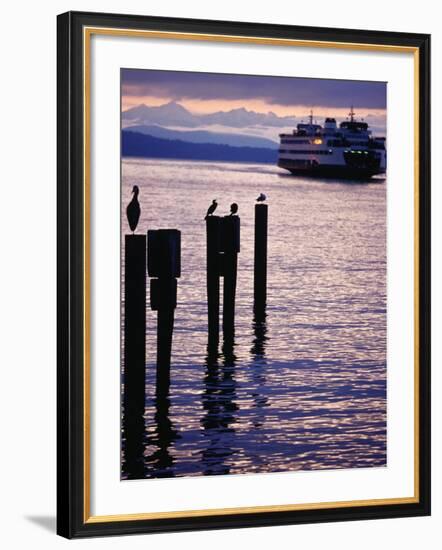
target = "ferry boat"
x: 347, y: 151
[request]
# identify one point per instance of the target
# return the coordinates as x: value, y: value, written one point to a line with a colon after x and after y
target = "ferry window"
x: 306, y: 152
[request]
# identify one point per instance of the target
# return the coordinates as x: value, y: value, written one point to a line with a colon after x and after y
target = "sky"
x: 206, y: 93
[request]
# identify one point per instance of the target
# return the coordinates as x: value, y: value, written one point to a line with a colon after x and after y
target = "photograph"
x: 254, y: 212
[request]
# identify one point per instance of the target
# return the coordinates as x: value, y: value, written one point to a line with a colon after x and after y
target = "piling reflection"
x: 160, y: 436
x: 257, y: 352
x: 219, y: 404
x: 260, y: 337
x: 146, y: 444
x: 133, y: 444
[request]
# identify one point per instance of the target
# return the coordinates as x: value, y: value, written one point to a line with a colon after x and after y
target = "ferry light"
x: 317, y: 141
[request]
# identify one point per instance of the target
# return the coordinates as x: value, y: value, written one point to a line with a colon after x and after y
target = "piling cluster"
x: 158, y: 255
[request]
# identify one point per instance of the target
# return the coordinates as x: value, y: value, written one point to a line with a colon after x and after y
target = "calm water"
x: 306, y: 389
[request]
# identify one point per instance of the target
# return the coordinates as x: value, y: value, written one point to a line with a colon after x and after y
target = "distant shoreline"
x: 139, y: 145
x: 130, y: 157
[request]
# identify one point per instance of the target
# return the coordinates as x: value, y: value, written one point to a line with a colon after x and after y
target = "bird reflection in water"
x: 219, y: 404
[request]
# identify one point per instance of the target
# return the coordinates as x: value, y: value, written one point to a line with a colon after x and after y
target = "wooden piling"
x: 260, y: 261
x: 134, y: 323
x: 163, y: 294
x: 230, y: 247
x: 213, y: 241
x: 134, y: 350
x: 164, y: 264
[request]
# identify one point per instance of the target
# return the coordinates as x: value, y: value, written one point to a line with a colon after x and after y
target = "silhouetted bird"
x: 233, y: 208
x: 133, y: 210
x: 261, y: 198
x: 211, y: 209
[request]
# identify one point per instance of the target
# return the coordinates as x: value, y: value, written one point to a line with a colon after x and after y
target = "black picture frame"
x: 72, y: 520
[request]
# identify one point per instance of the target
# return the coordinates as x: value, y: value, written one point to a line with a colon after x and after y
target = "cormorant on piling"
x: 233, y: 209
x: 133, y: 210
x: 211, y: 209
x: 261, y: 198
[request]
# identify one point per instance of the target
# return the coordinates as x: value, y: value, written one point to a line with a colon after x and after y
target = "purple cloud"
x: 288, y: 91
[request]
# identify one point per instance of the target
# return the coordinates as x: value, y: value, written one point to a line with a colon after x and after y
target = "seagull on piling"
x: 133, y: 210
x: 211, y: 209
x: 233, y: 209
x: 261, y: 198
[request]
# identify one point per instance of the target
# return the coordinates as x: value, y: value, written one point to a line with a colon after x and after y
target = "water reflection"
x: 260, y: 337
x: 133, y: 444
x: 159, y: 439
x: 147, y: 444
x: 257, y: 352
x: 218, y: 400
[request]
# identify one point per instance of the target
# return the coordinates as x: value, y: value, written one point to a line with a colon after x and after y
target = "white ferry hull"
x: 328, y: 151
x: 330, y: 170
